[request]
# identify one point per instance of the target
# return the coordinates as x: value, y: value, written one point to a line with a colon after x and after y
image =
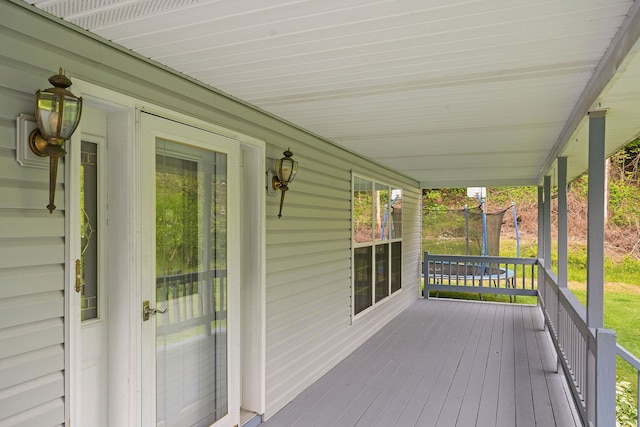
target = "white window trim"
x: 373, y: 243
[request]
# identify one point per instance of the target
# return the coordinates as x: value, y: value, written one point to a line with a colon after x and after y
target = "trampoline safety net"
x: 461, y: 232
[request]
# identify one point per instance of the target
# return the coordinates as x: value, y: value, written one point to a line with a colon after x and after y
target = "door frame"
x: 121, y: 258
x: 253, y: 275
x: 153, y: 128
x: 124, y: 305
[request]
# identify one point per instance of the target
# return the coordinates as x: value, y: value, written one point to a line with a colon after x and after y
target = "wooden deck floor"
x: 443, y: 363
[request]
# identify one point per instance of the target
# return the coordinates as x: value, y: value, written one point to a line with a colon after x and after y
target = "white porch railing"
x: 479, y: 274
x: 586, y: 355
x: 192, y: 299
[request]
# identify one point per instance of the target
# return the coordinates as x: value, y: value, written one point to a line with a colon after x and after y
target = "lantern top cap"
x: 288, y: 153
x: 60, y: 80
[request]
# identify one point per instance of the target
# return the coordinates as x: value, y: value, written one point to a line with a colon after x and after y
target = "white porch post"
x: 541, y: 242
x: 540, y: 222
x: 547, y: 222
x: 605, y: 409
x: 595, y: 222
x: 563, y: 258
x: 601, y: 354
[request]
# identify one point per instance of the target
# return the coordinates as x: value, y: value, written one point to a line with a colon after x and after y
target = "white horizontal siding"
x: 40, y: 391
x: 412, y: 231
x: 30, y: 280
x: 30, y: 366
x: 17, y: 223
x: 26, y: 252
x: 31, y: 308
x: 30, y: 337
x: 309, y: 325
x: 48, y: 414
x: 32, y: 359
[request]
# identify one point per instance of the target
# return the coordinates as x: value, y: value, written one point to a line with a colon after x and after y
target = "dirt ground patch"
x: 609, y: 287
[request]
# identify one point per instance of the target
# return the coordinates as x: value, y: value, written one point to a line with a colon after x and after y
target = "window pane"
x: 395, y: 229
x: 191, y: 263
x: 382, y: 272
x: 362, y: 210
x: 362, y: 295
x: 89, y: 230
x: 396, y: 266
x: 382, y: 212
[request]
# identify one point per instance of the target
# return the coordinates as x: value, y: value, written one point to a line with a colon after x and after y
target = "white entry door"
x: 190, y: 252
x: 94, y: 375
x: 88, y: 215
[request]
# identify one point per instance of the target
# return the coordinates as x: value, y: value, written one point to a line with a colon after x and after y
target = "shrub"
x: 626, y: 410
x: 624, y: 204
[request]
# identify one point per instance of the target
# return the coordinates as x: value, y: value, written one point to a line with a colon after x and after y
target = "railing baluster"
x: 179, y: 292
x: 498, y: 275
x: 190, y: 298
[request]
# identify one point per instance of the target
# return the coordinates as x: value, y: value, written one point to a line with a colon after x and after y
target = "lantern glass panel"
x: 285, y: 171
x: 48, y: 114
x: 279, y: 169
x: 294, y: 170
x: 70, y: 117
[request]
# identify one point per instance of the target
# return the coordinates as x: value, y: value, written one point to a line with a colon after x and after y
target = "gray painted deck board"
x: 443, y: 363
x: 487, y: 411
x: 468, y: 414
x: 541, y: 400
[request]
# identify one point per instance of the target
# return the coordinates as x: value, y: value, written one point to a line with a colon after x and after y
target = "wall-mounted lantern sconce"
x: 58, y: 114
x: 286, y: 169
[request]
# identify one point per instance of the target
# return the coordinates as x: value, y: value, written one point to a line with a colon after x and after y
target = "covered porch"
x: 420, y: 94
x: 444, y: 363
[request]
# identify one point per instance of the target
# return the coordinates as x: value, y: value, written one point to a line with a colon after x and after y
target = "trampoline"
x: 470, y: 238
x: 441, y: 272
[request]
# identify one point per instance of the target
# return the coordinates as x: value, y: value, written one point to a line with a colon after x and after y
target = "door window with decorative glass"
x: 89, y: 230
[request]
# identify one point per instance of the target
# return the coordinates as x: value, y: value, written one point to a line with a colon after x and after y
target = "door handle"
x: 148, y: 311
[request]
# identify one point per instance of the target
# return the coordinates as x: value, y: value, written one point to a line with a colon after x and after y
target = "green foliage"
x: 503, y: 196
x: 527, y: 249
x: 443, y: 199
x: 624, y: 203
x: 363, y: 215
x: 432, y: 200
x: 580, y: 186
x: 625, y: 163
x: 187, y: 219
x: 626, y: 410
x: 626, y: 270
x: 176, y: 221
x: 435, y: 246
x: 577, y: 264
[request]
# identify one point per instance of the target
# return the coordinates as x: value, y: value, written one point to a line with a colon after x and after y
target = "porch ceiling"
x: 452, y: 93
